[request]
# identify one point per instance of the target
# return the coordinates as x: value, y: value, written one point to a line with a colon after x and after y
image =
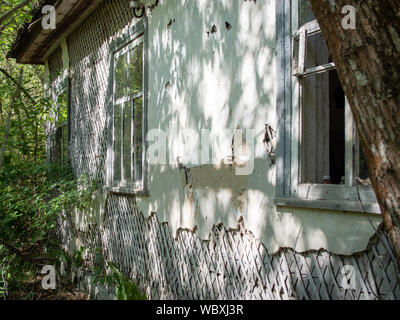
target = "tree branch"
x: 19, y: 253
x: 3, y: 27
x: 9, y: 13
x: 18, y: 85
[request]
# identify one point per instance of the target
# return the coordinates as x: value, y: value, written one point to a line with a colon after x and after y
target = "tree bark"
x: 367, y: 59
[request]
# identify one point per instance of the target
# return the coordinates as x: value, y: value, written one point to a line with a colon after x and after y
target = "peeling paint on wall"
x: 232, y: 88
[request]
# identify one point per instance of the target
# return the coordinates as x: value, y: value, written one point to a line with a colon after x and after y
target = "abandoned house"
x: 226, y: 156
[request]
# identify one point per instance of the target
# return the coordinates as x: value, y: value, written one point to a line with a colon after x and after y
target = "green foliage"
x: 77, y: 258
x: 3, y: 273
x: 32, y: 193
x: 25, y: 109
x: 99, y: 269
x: 31, y: 199
x: 61, y: 109
x: 125, y: 288
x: 19, y: 18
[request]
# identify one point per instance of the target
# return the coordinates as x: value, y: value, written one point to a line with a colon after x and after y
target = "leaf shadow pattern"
x: 232, y: 263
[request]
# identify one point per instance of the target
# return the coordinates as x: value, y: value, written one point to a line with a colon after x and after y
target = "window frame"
x: 290, y: 192
x: 133, y: 36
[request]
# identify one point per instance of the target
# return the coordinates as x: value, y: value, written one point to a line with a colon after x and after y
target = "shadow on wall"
x: 211, y: 66
x: 203, y: 77
x: 89, y: 53
x: 232, y: 264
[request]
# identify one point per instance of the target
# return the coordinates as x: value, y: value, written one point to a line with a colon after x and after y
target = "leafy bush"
x: 31, y: 199
x: 125, y: 288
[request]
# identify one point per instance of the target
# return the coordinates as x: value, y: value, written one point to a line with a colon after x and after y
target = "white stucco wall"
x: 226, y: 80
x: 223, y: 80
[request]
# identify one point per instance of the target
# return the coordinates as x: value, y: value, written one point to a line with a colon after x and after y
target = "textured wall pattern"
x: 232, y: 264
x: 89, y: 69
x: 55, y: 64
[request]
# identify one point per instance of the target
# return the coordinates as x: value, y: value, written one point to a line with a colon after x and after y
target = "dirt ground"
x: 48, y: 295
x: 32, y: 290
x: 63, y: 296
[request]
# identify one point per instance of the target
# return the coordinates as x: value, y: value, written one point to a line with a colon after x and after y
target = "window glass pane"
x: 306, y: 13
x: 117, y: 141
x: 317, y: 53
x: 57, y: 151
x: 61, y: 107
x: 65, y: 144
x: 362, y: 164
x: 136, y: 69
x: 121, y: 76
x: 295, y: 61
x: 127, y: 145
x: 323, y: 130
x: 128, y: 135
x: 61, y: 137
x: 138, y: 139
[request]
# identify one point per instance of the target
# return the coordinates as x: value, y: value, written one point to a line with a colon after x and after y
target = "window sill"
x: 127, y: 191
x: 336, y: 192
x: 334, y: 205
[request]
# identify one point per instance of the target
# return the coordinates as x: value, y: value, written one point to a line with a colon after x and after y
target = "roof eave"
x: 35, y: 43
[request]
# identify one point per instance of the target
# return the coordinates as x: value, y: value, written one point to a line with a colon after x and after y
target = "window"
x: 61, y: 132
x: 126, y: 165
x: 319, y: 160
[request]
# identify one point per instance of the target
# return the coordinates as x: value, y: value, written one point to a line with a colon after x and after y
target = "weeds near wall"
x: 31, y: 199
x: 108, y: 274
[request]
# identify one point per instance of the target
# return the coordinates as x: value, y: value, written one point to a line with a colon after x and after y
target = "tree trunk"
x: 368, y: 63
